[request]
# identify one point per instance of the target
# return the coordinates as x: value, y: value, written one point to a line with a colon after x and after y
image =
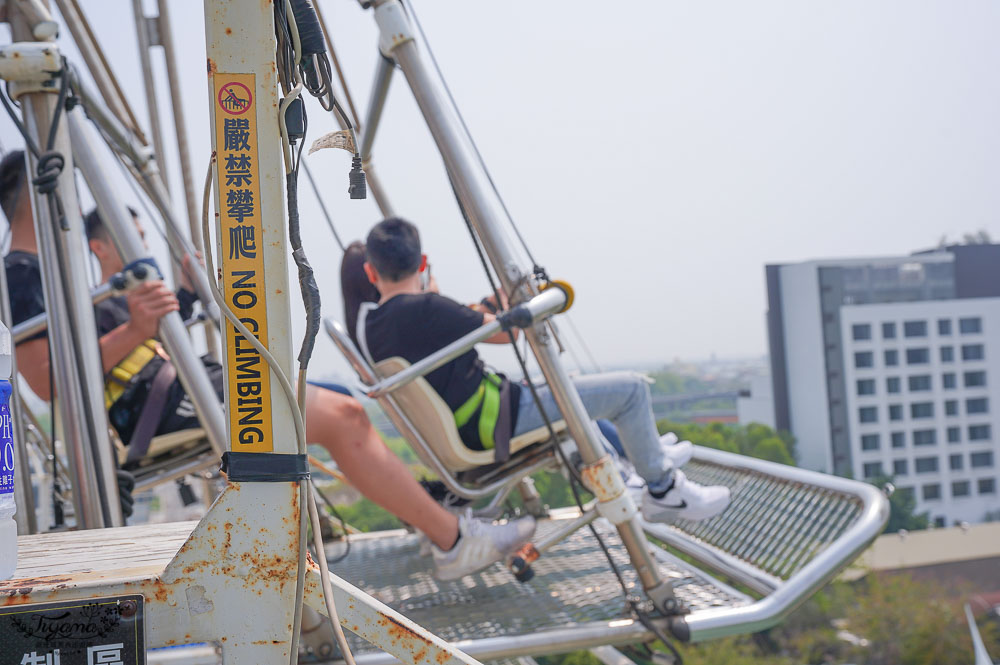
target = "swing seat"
x: 170, y: 456
x: 436, y: 423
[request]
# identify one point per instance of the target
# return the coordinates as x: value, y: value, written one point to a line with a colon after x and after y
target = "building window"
x: 948, y: 380
x: 974, y: 379
x: 866, y: 387
x: 892, y: 384
x: 973, y: 352
x: 977, y: 405
x: 954, y: 434
x: 960, y: 488
x: 873, y: 469
x: 924, y: 437
x: 926, y: 464
x: 861, y: 331
x: 981, y: 460
x: 868, y: 414
x: 898, y: 440
x: 987, y: 486
x: 947, y: 354
x: 944, y: 326
x: 951, y: 407
x: 915, y: 329
x: 955, y: 462
x: 899, y: 467
x: 979, y: 432
x: 870, y: 442
x: 864, y: 359
x: 918, y: 356
x: 922, y: 410
x: 888, y: 331
x: 891, y: 358
x: 919, y: 382
x: 895, y: 412
x: 906, y: 492
x: 970, y: 326
x: 932, y: 492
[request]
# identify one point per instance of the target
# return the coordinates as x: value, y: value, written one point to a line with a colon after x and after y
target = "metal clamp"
x: 30, y: 67
x: 604, y: 480
x: 393, y: 26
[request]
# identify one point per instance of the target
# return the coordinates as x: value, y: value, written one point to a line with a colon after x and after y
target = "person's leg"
x: 621, y: 397
x: 340, y: 425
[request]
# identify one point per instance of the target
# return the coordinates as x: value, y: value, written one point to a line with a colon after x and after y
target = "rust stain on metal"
x: 229, y: 31
x: 211, y: 68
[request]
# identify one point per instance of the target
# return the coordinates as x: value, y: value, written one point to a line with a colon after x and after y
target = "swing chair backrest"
x: 435, y: 422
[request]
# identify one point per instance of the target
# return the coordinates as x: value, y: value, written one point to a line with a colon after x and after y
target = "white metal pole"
x: 190, y: 369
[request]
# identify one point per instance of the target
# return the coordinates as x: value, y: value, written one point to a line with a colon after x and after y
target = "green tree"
x: 753, y: 440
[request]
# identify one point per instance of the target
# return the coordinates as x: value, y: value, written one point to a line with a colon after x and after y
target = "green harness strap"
x: 488, y: 394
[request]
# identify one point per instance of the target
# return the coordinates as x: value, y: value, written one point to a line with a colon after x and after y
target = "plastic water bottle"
x: 8, y: 528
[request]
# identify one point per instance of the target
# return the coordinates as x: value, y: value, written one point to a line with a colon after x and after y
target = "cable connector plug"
x: 358, y: 187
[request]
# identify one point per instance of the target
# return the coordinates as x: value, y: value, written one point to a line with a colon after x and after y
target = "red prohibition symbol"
x: 235, y: 98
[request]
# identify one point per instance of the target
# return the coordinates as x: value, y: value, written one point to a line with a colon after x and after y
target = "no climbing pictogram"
x: 235, y: 98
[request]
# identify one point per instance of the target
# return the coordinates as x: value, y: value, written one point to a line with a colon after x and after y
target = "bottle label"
x: 6, y: 441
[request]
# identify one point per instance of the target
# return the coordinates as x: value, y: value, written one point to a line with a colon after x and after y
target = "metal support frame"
x: 190, y: 369
x: 398, y: 41
x: 76, y: 364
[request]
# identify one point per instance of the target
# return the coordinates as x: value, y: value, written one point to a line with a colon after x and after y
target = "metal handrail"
x: 782, y: 596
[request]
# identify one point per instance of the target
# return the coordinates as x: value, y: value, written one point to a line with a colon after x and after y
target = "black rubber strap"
x: 264, y: 467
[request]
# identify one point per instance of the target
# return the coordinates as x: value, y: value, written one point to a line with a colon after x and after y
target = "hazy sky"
x: 658, y: 154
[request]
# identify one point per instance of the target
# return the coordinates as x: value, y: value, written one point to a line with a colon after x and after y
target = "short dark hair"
x: 13, y: 181
x: 393, y: 247
x: 93, y: 225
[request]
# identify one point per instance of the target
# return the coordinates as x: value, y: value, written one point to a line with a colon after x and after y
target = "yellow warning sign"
x: 242, y: 260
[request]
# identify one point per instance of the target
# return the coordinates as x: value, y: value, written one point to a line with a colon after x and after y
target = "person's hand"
x: 187, y: 270
x: 147, y: 304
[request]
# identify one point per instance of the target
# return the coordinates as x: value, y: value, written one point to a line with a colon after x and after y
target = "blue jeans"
x: 621, y: 397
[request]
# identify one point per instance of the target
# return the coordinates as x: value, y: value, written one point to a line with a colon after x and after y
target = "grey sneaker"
x: 686, y: 500
x: 482, y: 544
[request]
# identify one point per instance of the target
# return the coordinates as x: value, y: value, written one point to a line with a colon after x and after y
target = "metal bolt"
x: 128, y: 608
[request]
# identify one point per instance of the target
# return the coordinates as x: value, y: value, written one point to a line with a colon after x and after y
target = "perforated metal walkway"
x: 573, y: 587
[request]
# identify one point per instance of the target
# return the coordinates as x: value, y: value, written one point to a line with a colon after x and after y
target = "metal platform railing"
x: 787, y: 532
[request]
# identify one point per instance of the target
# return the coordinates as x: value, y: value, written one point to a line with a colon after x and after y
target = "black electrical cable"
x: 307, y: 278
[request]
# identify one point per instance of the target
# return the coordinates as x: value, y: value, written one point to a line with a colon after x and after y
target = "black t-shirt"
x: 24, y: 285
x: 413, y: 326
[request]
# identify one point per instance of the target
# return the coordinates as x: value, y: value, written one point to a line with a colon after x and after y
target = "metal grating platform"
x: 776, y: 525
x: 573, y: 586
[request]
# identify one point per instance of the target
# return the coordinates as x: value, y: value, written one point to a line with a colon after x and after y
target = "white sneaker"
x: 482, y: 543
x: 686, y: 500
x: 679, y: 452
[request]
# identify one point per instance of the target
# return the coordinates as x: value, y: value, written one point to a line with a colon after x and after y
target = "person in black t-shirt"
x: 411, y: 323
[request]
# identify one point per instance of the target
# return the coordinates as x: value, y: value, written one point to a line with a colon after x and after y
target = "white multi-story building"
x: 891, y: 367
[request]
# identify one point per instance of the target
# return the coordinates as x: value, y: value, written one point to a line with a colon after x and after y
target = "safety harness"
x: 484, y: 418
x: 119, y: 379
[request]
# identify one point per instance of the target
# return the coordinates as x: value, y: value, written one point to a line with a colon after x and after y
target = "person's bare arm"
x: 147, y: 304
